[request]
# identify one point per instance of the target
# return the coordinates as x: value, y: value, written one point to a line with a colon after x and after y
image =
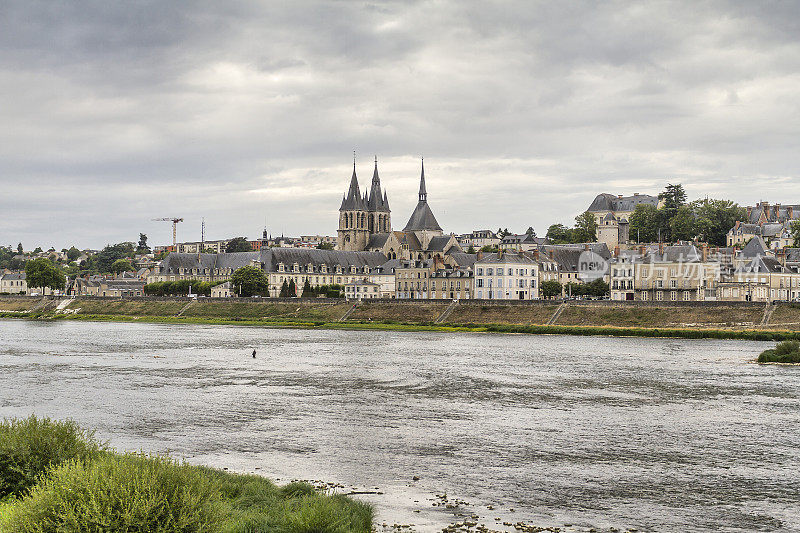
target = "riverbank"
x: 719, y: 320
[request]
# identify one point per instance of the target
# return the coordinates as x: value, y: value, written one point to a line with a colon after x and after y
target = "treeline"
x: 705, y: 220
x: 585, y: 230
x: 180, y: 287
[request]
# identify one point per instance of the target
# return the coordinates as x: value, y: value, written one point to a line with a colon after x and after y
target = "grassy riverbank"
x: 720, y: 321
x: 54, y: 476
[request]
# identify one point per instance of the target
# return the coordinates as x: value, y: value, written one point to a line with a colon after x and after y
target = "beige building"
x: 362, y: 290
x: 13, y: 283
x: 672, y: 273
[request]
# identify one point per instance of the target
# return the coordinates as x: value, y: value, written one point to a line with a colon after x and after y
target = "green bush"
x: 30, y: 446
x: 119, y: 493
x: 785, y: 352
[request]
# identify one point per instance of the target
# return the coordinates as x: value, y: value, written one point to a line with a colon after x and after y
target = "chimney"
x: 586, y: 247
x: 551, y: 254
x: 660, y: 248
x: 749, y: 211
x: 705, y: 252
x: 500, y: 253
x: 641, y: 250
x: 479, y: 255
x: 789, y: 212
x: 619, y: 196
x: 536, y: 254
x: 616, y: 251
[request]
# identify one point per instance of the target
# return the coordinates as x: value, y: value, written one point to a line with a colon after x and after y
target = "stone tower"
x: 360, y: 217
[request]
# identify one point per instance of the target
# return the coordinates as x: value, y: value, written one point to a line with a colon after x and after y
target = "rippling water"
x: 653, y: 434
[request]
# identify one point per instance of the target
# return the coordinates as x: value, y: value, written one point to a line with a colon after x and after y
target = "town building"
x: 524, y: 242
x: 13, y: 283
x: 506, y: 276
x: 362, y: 290
x: 478, y: 239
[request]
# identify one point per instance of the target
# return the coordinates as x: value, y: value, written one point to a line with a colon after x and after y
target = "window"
x: 480, y: 272
x: 490, y: 272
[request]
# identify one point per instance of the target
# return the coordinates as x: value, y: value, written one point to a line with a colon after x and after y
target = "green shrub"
x: 785, y: 352
x: 119, y: 493
x: 30, y: 446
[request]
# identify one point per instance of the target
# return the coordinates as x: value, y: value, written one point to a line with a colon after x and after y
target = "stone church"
x: 365, y: 224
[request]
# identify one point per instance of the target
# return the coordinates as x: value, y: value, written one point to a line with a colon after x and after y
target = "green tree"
x: 284, y: 290
x: 682, y: 225
x: 644, y: 223
x: 41, y: 273
x: 239, y: 244
x: 37, y: 250
x: 530, y: 231
x: 550, y: 289
x: 471, y: 249
x: 250, y: 281
x: 559, y: 234
x: 19, y: 248
x: 325, y: 246
x: 714, y: 218
x: 142, y: 248
x: 121, y: 265
x: 292, y: 288
x: 673, y: 197
x: 103, y: 261
x: 489, y: 249
x: 73, y: 253
x: 794, y: 228
x: 598, y: 288
x: 585, y: 228
x: 308, y: 292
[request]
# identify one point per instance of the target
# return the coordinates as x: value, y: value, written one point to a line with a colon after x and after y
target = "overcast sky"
x: 114, y: 113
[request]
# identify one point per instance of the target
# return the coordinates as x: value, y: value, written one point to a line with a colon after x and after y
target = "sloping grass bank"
x: 55, y: 477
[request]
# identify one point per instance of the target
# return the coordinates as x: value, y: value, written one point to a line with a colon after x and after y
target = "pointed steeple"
x: 385, y: 201
x: 423, y: 193
x: 353, y: 201
x: 375, y: 202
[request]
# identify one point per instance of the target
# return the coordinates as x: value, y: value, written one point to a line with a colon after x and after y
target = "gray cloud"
x: 113, y: 114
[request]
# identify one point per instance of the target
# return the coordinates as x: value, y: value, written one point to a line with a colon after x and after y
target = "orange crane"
x: 174, y: 228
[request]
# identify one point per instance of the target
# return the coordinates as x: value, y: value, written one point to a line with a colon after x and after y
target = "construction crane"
x: 174, y: 228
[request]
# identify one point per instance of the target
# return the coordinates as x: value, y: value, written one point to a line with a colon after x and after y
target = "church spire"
x: 376, y: 201
x: 353, y: 201
x: 423, y: 193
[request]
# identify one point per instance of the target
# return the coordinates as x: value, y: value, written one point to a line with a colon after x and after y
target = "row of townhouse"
x: 452, y: 275
x: 109, y: 287
x: 688, y: 273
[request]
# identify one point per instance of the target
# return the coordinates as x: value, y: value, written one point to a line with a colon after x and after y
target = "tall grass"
x: 66, y: 482
x: 30, y: 446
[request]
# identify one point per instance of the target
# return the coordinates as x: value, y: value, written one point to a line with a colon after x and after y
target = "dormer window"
x: 310, y: 267
x: 281, y: 267
x: 296, y: 268
x: 324, y: 269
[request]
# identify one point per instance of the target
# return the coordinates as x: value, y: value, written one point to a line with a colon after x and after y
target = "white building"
x: 506, y: 276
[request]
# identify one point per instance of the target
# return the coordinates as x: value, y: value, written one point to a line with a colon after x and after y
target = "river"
x: 596, y: 432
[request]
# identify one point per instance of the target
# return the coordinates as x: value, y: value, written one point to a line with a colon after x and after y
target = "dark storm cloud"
x: 114, y: 113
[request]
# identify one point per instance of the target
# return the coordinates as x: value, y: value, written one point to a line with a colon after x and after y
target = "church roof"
x: 422, y: 218
x: 376, y: 201
x: 353, y: 200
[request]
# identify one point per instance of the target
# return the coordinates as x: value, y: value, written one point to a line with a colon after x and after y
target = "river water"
x: 651, y: 434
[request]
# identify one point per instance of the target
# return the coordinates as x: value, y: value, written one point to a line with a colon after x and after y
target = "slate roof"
x: 610, y: 202
x: 438, y: 244
x: 353, y: 200
x: 377, y: 240
x: 272, y: 257
x: 463, y: 259
x: 175, y: 261
x: 761, y: 265
x: 422, y: 218
x: 755, y: 248
x: 388, y: 267
x: 673, y: 254
x: 14, y: 276
x: 505, y: 257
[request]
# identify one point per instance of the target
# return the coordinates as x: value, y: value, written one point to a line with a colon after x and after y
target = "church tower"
x: 422, y: 222
x: 380, y: 220
x: 353, y: 232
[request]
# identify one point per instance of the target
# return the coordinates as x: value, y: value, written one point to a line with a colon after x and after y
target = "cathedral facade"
x: 365, y: 224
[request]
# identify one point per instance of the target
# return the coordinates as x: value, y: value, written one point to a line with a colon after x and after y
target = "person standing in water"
x: 254, y: 354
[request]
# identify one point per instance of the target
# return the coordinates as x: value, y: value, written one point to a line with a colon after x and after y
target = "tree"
x: 103, y: 260
x: 121, y: 265
x: 37, y: 250
x: 550, y: 288
x: 42, y: 273
x: 284, y: 290
x: 142, y: 248
x: 682, y: 225
x: 794, y: 228
x: 489, y: 249
x: 644, y: 223
x: 250, y: 281
x: 73, y: 253
x: 673, y: 197
x: 714, y: 218
x: 559, y: 234
x: 585, y: 228
x: 597, y: 288
x: 19, y: 249
x: 471, y: 249
x: 325, y: 246
x: 308, y: 292
x: 239, y: 244
x: 292, y: 288
x: 530, y: 231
